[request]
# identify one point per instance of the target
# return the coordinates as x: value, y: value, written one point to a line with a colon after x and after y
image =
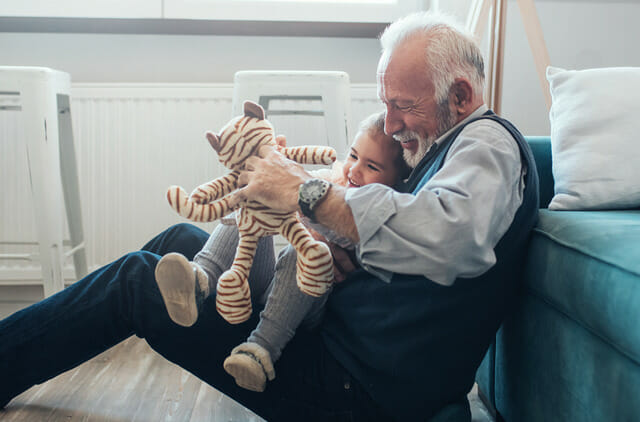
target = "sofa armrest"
x: 541, y: 149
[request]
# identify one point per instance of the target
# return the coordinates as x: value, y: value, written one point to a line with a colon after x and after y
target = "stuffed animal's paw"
x: 233, y: 298
x: 314, y: 269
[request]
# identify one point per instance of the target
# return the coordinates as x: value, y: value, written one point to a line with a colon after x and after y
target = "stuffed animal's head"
x: 242, y: 136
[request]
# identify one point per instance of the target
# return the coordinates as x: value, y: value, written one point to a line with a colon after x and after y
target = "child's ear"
x: 254, y: 110
x: 214, y: 141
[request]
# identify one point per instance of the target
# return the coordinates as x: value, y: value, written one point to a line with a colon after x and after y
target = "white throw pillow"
x: 595, y: 138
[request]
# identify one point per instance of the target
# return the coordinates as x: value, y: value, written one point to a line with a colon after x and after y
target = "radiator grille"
x: 132, y: 142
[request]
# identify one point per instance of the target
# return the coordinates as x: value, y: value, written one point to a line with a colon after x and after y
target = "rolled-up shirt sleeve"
x: 450, y: 227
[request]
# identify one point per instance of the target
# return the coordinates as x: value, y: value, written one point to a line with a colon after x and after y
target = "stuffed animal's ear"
x: 213, y: 140
x: 254, y: 110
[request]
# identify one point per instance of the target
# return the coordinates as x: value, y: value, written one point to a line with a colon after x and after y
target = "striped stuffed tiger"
x: 238, y: 140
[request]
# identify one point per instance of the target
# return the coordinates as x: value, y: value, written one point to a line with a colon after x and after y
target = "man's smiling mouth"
x: 408, y: 143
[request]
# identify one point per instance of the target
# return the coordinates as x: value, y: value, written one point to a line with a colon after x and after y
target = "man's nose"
x: 392, y: 122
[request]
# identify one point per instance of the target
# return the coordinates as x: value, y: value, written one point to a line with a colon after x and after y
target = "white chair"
x: 41, y: 96
x: 332, y: 89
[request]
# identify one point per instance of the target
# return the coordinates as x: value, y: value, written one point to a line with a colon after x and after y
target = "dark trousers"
x: 121, y: 299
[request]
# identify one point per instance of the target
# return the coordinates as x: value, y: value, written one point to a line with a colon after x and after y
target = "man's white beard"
x: 412, y: 158
x: 447, y: 120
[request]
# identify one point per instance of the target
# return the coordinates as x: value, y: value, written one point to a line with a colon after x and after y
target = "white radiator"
x: 132, y: 142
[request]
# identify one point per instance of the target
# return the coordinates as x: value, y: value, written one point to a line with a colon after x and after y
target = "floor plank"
x: 129, y: 382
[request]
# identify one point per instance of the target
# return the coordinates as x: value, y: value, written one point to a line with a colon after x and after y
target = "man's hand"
x: 270, y: 179
x: 274, y: 181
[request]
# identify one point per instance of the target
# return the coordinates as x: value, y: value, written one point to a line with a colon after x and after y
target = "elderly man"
x: 437, y: 264
x: 451, y: 246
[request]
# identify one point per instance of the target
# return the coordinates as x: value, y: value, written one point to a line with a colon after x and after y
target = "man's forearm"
x: 275, y: 181
x: 334, y: 212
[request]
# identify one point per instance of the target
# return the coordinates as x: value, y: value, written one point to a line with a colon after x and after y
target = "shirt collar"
x: 476, y: 113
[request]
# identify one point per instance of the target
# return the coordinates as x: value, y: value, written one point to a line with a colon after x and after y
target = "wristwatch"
x: 310, y: 194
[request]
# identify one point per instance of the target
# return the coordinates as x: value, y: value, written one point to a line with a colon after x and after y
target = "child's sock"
x: 285, y: 309
x: 217, y: 256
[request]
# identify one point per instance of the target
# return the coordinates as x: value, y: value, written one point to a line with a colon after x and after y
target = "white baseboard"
x: 30, y: 276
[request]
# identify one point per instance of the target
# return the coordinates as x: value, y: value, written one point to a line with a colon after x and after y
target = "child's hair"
x: 374, y: 127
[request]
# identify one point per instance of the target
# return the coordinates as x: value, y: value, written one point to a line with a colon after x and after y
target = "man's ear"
x: 253, y: 110
x: 461, y: 95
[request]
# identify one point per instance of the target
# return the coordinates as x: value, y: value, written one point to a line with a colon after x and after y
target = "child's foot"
x: 183, y: 285
x: 250, y: 364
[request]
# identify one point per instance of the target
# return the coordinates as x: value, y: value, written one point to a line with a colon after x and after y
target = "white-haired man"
x: 437, y: 264
x: 439, y: 261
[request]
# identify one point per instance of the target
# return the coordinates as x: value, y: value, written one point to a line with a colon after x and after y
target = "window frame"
x: 282, y: 10
x: 111, y: 9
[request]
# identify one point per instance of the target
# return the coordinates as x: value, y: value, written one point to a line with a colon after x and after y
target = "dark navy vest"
x: 413, y: 344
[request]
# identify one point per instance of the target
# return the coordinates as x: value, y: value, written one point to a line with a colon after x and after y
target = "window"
x: 82, y: 8
x: 293, y: 10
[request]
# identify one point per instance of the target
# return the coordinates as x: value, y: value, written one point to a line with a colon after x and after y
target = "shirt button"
x: 347, y: 385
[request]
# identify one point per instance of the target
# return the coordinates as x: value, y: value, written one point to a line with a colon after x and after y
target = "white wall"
x: 579, y: 34
x: 185, y: 58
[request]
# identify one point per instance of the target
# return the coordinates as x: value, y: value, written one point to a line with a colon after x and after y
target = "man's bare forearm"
x: 334, y: 212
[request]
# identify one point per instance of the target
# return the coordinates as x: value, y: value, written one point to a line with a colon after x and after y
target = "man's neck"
x: 482, y: 108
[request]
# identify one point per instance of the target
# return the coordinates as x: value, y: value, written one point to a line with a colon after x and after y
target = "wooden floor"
x: 129, y: 382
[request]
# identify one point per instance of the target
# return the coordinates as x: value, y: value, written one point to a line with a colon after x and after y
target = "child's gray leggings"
x: 272, y: 284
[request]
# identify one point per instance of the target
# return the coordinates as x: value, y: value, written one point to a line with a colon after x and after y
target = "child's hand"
x: 343, y: 262
x: 281, y: 142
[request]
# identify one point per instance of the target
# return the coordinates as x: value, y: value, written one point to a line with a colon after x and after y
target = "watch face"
x: 313, y: 190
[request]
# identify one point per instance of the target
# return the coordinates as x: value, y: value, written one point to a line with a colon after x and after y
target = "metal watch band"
x: 310, y: 194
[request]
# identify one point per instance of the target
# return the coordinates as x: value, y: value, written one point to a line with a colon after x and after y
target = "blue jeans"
x: 121, y: 299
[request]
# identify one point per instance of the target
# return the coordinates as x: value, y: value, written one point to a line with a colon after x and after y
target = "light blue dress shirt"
x: 450, y: 227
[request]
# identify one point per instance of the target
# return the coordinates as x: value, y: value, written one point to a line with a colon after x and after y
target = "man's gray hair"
x: 451, y: 52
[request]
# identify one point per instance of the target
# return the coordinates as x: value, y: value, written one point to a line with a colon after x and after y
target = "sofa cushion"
x: 594, y: 128
x: 587, y: 266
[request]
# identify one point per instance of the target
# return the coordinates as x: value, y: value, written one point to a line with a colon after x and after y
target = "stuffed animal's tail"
x: 179, y: 200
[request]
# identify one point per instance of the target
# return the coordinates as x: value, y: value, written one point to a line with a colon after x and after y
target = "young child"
x: 373, y: 158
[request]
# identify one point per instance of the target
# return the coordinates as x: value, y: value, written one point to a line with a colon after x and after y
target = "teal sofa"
x: 570, y: 350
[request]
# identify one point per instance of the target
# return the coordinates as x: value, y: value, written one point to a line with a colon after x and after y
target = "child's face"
x: 371, y: 160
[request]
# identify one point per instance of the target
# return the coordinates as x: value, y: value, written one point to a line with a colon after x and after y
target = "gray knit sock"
x: 286, y: 309
x: 217, y: 256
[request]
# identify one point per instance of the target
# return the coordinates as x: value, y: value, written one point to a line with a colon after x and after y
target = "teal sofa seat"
x: 570, y: 350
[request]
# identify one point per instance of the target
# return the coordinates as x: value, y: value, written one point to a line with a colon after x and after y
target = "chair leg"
x: 69, y: 175
x: 41, y: 137
x: 336, y: 117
